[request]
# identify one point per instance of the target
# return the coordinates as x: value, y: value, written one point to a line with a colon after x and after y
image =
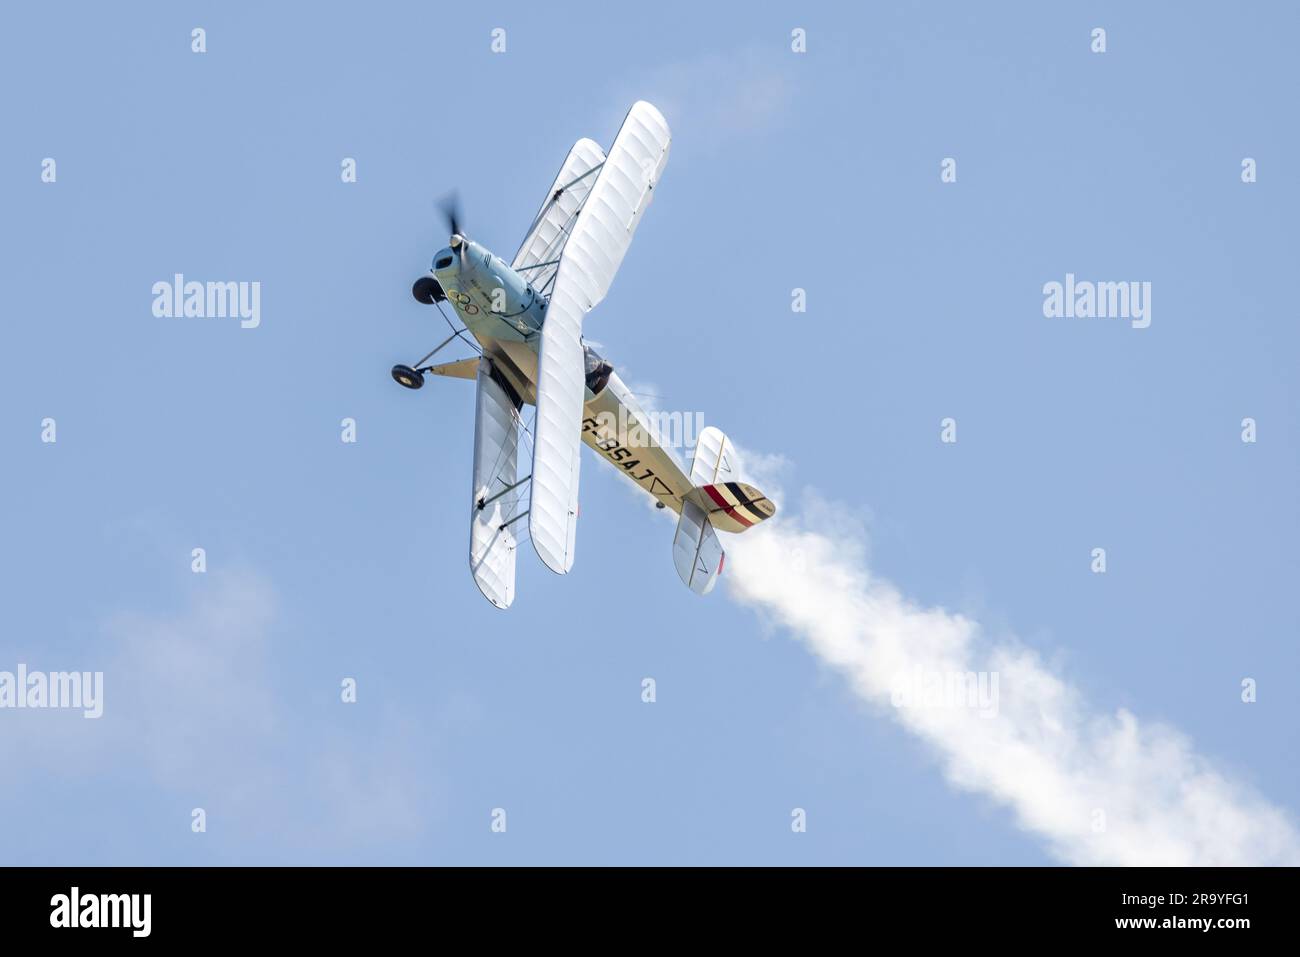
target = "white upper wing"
x: 603, y: 231
x: 592, y: 254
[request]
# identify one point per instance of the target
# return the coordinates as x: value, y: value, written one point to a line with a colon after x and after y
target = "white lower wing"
x: 496, y: 443
x: 539, y: 253
x: 596, y: 245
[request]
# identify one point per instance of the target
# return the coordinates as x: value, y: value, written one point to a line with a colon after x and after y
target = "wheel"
x: 405, y: 375
x: 427, y: 291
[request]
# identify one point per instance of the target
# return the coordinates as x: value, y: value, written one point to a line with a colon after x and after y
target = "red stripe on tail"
x: 726, y: 506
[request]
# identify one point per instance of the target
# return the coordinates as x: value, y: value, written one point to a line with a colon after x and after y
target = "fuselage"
x: 502, y: 310
x: 499, y: 307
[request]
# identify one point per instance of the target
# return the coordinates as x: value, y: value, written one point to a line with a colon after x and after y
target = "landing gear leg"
x: 412, y: 377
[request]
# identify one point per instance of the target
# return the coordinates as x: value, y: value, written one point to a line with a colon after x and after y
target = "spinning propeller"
x: 449, y: 206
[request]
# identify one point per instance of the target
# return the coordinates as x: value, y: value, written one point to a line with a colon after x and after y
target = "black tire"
x: 427, y: 291
x: 408, y: 377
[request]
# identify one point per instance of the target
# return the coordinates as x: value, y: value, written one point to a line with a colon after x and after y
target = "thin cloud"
x: 716, y: 98
x: 194, y: 705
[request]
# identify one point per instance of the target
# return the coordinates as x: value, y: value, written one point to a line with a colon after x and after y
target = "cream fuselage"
x: 503, y: 311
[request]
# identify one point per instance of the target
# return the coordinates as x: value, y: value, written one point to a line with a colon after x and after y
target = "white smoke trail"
x: 1100, y: 789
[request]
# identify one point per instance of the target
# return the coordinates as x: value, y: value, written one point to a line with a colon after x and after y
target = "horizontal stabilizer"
x: 714, y: 458
x: 697, y: 552
x: 717, y: 501
x: 732, y: 506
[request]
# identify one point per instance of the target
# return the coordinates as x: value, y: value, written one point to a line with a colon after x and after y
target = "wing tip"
x: 555, y: 563
x: 548, y: 548
x: 497, y: 597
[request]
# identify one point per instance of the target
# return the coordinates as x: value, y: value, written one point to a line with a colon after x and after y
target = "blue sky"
x: 820, y: 171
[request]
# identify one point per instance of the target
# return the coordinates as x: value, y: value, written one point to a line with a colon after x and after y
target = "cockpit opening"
x: 598, y: 371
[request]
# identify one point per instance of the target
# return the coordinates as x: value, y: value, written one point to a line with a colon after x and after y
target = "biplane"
x: 526, y: 319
